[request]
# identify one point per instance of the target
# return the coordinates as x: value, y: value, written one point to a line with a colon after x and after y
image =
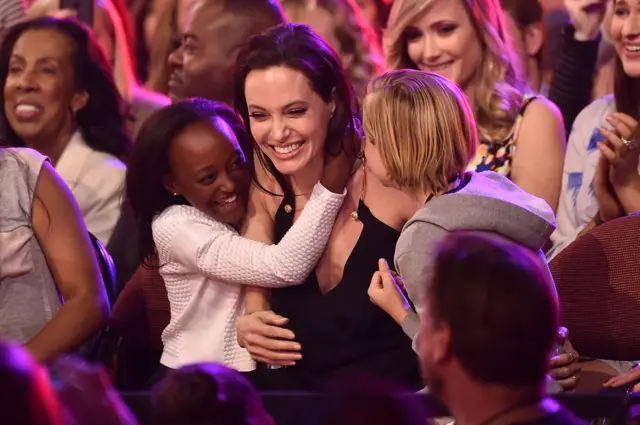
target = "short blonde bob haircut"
x: 423, y: 128
x: 501, y: 86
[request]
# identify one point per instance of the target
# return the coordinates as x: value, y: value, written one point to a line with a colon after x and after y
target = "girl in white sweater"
x: 188, y: 181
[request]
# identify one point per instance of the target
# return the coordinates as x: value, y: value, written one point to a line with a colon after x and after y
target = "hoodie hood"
x: 490, y: 202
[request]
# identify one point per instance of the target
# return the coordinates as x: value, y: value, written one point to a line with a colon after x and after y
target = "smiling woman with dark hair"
x: 299, y: 108
x: 59, y: 98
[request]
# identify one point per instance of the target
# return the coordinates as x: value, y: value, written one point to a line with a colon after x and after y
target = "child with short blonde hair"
x: 420, y: 137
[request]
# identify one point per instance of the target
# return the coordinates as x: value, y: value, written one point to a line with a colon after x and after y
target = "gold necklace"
x: 288, y: 208
x: 354, y: 214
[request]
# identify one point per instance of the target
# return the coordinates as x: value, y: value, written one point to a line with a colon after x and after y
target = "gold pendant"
x: 354, y: 216
x: 288, y: 209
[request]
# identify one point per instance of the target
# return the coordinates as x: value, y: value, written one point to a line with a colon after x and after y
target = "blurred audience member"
x: 604, y: 83
x: 27, y: 395
x: 87, y: 394
x: 11, y: 12
x: 575, y: 56
x: 476, y: 322
x: 368, y: 403
x: 376, y: 12
x: 466, y: 42
x: 52, y: 298
x: 524, y: 20
x: 601, y: 178
x: 113, y: 33
x: 204, y: 64
x: 209, y: 394
x: 170, y: 15
x: 342, y: 25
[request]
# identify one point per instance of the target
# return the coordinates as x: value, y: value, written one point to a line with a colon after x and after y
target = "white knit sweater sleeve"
x: 186, y: 236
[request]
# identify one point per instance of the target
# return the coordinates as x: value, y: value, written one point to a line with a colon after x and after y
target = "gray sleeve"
x: 414, y: 259
x: 411, y: 327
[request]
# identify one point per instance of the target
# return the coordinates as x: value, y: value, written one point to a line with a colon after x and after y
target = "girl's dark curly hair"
x: 103, y: 119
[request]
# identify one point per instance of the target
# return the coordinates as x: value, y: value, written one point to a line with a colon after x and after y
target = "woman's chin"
x: 293, y: 165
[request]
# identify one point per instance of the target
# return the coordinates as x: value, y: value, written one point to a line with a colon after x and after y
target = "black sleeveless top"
x: 342, y: 333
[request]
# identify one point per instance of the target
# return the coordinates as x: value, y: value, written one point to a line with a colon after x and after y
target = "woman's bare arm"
x: 541, y: 144
x: 65, y: 242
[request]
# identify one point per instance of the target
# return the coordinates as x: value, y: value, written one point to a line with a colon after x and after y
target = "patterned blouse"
x: 498, y: 157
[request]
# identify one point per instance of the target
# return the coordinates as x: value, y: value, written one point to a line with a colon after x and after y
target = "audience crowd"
x: 212, y: 200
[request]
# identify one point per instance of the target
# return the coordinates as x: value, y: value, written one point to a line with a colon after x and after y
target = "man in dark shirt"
x: 490, y: 325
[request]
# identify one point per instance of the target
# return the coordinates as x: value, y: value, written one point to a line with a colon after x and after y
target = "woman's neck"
x: 304, y: 180
x: 52, y: 146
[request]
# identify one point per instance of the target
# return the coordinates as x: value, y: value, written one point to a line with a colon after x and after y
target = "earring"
x: 175, y: 193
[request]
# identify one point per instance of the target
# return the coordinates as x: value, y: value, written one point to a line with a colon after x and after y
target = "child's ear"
x: 169, y: 184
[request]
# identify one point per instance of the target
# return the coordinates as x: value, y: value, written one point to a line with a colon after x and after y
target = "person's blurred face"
x: 625, y: 34
x: 370, y: 12
x: 323, y: 23
x: 444, y: 41
x: 180, y: 9
x: 40, y: 99
x: 527, y: 43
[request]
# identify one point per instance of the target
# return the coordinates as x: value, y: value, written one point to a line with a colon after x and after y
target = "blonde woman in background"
x: 164, y: 14
x: 466, y: 41
x: 109, y: 31
x: 342, y: 25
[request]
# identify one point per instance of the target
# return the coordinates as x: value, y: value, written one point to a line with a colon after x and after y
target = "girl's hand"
x: 386, y: 293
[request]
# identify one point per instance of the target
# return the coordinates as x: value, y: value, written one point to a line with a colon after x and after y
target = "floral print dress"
x: 497, y: 157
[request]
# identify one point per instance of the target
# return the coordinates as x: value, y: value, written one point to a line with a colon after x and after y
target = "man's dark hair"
x: 499, y: 302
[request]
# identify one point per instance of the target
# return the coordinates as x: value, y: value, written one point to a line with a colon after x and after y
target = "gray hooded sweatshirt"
x: 488, y: 202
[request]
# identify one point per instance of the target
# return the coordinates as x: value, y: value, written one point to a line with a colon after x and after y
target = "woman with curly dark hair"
x: 60, y: 99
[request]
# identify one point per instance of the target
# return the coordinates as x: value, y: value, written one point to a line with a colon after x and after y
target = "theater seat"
x: 91, y: 349
x: 598, y: 282
x: 107, y: 268
x: 133, y: 344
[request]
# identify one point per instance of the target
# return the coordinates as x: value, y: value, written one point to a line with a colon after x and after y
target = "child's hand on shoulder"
x: 385, y: 292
